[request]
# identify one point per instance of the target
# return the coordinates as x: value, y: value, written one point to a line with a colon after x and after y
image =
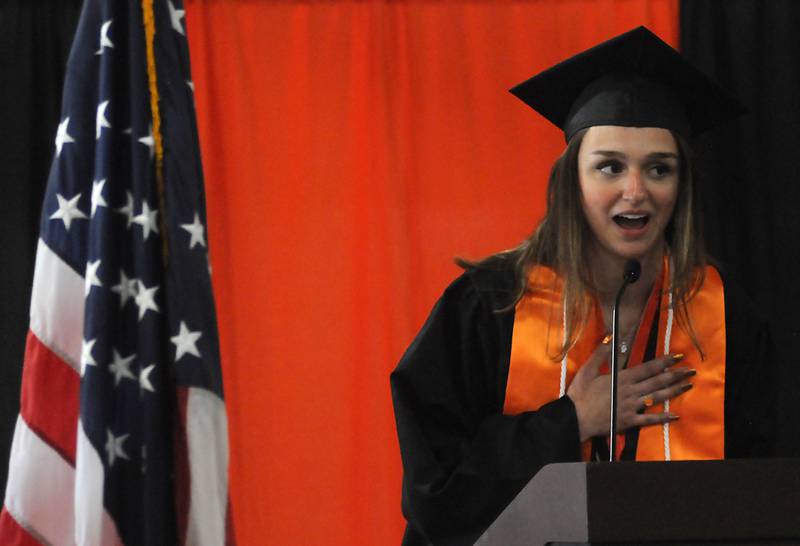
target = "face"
x: 629, y: 185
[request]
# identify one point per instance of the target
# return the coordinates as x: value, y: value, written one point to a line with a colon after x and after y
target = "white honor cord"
x: 667, y: 339
x: 563, y: 386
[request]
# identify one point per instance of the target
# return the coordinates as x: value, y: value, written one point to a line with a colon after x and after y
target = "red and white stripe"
x: 45, y: 503
x: 54, y: 493
x: 203, y: 416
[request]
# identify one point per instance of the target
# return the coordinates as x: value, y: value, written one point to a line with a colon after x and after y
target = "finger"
x: 650, y: 419
x: 662, y: 380
x: 633, y: 418
x: 652, y: 367
x: 656, y: 397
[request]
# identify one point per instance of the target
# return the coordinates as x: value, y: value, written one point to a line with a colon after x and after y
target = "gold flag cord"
x: 158, y: 143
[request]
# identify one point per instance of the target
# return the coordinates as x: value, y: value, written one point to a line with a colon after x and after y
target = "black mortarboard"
x: 633, y: 80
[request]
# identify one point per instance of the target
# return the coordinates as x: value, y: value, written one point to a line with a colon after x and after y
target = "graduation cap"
x: 632, y: 80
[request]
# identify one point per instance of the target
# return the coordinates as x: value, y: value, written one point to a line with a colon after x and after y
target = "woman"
x: 508, y: 373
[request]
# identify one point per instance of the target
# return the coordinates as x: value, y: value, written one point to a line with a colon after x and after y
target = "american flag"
x: 122, y: 432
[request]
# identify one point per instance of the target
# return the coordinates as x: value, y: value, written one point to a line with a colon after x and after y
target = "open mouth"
x: 631, y: 221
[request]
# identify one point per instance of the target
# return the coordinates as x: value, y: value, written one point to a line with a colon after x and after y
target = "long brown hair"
x: 562, y: 242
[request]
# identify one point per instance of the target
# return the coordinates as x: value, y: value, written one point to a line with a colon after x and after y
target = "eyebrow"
x: 653, y: 155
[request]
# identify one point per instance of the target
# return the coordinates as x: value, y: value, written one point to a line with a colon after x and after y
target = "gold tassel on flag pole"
x: 149, y: 32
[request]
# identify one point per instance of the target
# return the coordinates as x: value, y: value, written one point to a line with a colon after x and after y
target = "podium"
x: 733, y: 502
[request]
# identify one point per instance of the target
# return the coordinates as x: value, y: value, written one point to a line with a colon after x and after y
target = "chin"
x: 634, y: 252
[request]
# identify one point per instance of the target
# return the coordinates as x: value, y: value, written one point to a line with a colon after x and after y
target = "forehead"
x: 633, y: 141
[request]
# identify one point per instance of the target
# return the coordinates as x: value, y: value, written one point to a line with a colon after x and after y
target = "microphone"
x: 633, y: 269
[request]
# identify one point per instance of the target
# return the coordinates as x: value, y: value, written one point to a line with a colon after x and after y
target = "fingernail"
x: 691, y: 373
x: 606, y: 340
x: 677, y: 357
x: 685, y: 387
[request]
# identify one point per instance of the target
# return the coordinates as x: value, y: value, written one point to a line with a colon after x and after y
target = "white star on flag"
x: 175, y: 16
x: 87, y: 359
x: 91, y: 279
x: 148, y: 140
x: 144, y: 378
x: 121, y: 367
x: 185, y: 342
x: 127, y: 210
x: 114, y: 447
x: 101, y: 120
x: 190, y: 83
x: 104, y: 41
x: 68, y: 210
x: 125, y: 289
x: 147, y: 219
x: 97, y: 195
x: 62, y: 136
x: 145, y: 299
x: 197, y: 231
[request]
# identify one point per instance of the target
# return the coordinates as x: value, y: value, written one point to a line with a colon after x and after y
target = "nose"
x: 634, y: 190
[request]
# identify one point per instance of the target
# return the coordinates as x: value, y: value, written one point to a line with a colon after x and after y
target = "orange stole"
x: 534, y: 378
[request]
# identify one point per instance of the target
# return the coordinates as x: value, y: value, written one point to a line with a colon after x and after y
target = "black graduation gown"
x: 464, y: 461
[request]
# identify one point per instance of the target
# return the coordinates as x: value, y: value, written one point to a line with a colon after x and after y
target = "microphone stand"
x: 632, y: 271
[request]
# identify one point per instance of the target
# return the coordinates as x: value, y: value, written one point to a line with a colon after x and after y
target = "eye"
x: 610, y: 168
x: 661, y: 170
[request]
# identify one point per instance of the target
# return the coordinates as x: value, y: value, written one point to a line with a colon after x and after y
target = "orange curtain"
x: 351, y: 150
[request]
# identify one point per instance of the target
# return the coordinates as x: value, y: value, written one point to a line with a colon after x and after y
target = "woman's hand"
x: 650, y: 383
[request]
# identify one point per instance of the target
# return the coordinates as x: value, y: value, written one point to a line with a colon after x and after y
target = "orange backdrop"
x: 351, y: 150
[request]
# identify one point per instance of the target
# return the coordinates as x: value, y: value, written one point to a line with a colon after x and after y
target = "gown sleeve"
x: 463, y: 460
x: 749, y: 377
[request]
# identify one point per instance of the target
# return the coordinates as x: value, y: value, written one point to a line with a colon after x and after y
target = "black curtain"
x: 35, y: 38
x: 749, y: 172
